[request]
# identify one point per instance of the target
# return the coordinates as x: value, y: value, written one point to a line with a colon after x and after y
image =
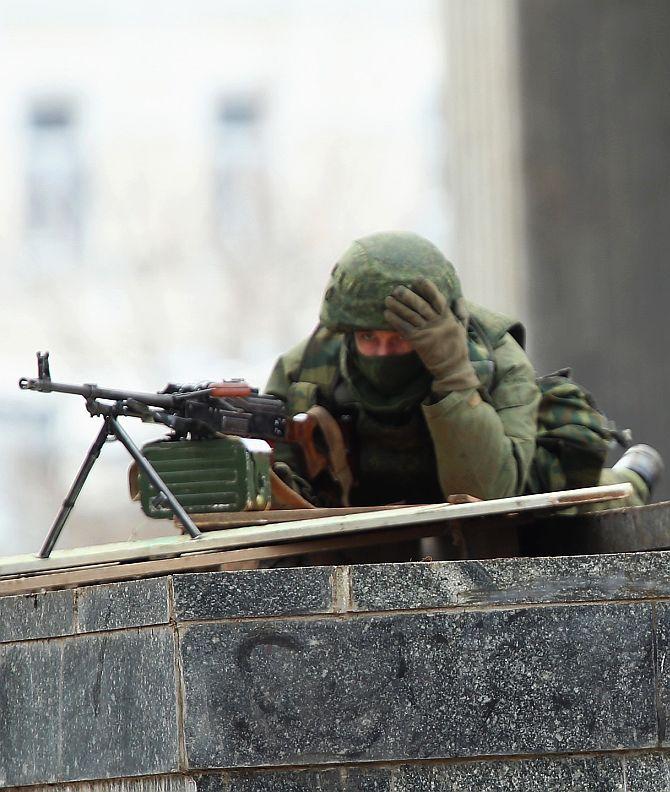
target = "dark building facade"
x: 595, y: 110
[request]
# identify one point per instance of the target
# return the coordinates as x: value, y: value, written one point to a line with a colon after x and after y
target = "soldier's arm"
x: 486, y: 449
x: 284, y: 371
x: 281, y: 378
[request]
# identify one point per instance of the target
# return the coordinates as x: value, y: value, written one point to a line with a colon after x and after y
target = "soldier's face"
x: 381, y: 343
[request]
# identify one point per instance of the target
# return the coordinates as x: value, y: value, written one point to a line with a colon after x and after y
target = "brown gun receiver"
x: 300, y: 430
x: 231, y: 388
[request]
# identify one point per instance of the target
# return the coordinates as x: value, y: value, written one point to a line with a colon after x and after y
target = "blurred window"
x: 54, y: 194
x: 239, y: 168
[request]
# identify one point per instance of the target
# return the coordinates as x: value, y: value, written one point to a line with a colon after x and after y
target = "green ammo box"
x: 227, y: 475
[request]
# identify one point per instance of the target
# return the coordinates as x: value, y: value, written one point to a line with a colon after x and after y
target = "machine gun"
x: 204, y: 411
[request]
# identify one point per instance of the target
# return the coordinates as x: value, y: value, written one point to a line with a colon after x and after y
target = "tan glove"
x: 423, y: 317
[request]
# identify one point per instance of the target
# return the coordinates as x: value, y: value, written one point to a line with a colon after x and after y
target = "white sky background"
x: 166, y: 282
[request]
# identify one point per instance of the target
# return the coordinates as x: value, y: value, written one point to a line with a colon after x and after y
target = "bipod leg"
x: 75, y: 489
x: 145, y: 466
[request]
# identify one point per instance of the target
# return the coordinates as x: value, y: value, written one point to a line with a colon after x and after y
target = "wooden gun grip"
x: 301, y: 430
x: 334, y: 455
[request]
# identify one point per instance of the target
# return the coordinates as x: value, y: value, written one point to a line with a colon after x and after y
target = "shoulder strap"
x: 486, y: 330
x: 493, y: 326
x: 314, y: 385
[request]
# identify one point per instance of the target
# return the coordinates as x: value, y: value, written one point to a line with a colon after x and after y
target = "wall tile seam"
x: 359, y: 615
x: 38, y: 639
x: 75, y: 611
x: 122, y: 782
x: 180, y: 689
x: 338, y: 615
x: 498, y: 606
x: 81, y: 635
x: 231, y: 774
x: 394, y: 764
x: 126, y: 576
x: 341, y: 599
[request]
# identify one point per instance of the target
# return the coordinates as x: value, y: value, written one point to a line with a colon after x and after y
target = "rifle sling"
x: 337, y: 452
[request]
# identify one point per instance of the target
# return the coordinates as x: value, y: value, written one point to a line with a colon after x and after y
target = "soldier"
x: 436, y: 394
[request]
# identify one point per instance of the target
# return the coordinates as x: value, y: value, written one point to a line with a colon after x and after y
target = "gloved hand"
x: 294, y: 481
x: 423, y: 317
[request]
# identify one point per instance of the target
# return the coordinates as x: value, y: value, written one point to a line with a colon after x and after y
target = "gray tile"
x: 45, y: 615
x: 540, y: 775
x: 88, y: 707
x: 554, y: 679
x: 648, y: 773
x: 262, y: 592
x: 360, y: 780
x: 662, y: 612
x: 513, y: 581
x: 340, y: 780
x: 593, y: 774
x: 134, y: 603
x: 212, y: 783
x: 324, y: 781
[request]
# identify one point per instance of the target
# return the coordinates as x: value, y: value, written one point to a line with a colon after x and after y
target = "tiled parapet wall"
x: 517, y: 674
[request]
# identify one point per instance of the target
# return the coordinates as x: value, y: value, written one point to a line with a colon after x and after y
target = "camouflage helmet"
x: 371, y: 268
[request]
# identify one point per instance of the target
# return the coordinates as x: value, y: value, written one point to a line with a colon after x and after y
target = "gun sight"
x: 43, y: 372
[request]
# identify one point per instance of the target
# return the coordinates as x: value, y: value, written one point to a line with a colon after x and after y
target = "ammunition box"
x: 226, y: 475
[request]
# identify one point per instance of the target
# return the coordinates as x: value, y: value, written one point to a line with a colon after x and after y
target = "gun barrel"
x: 90, y: 391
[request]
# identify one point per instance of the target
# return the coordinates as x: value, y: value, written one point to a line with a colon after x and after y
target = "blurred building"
x: 596, y: 118
x: 560, y: 183
x: 483, y: 151
x: 175, y: 185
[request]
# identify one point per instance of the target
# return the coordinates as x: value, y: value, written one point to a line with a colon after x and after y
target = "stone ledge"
x: 33, y: 616
x: 323, y: 591
x: 626, y: 530
x: 371, y: 678
x: 254, y: 593
x: 54, y: 614
x: 510, y: 581
x: 643, y: 772
x: 135, y: 603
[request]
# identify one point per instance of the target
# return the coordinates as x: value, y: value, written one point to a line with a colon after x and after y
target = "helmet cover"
x: 371, y: 268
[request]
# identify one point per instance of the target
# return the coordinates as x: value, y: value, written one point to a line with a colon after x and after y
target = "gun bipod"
x: 112, y: 428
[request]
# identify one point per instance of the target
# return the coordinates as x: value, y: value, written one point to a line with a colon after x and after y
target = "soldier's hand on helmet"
x: 422, y: 316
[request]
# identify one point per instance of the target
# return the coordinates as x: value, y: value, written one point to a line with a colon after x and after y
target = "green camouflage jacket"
x: 480, y: 442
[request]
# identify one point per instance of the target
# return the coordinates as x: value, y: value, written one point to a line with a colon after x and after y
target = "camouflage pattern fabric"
x: 573, y: 437
x: 369, y: 271
x: 640, y: 496
x: 512, y: 435
x: 482, y: 447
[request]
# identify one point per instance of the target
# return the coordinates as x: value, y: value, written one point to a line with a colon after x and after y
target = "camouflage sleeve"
x: 284, y: 371
x: 281, y: 378
x: 486, y: 449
